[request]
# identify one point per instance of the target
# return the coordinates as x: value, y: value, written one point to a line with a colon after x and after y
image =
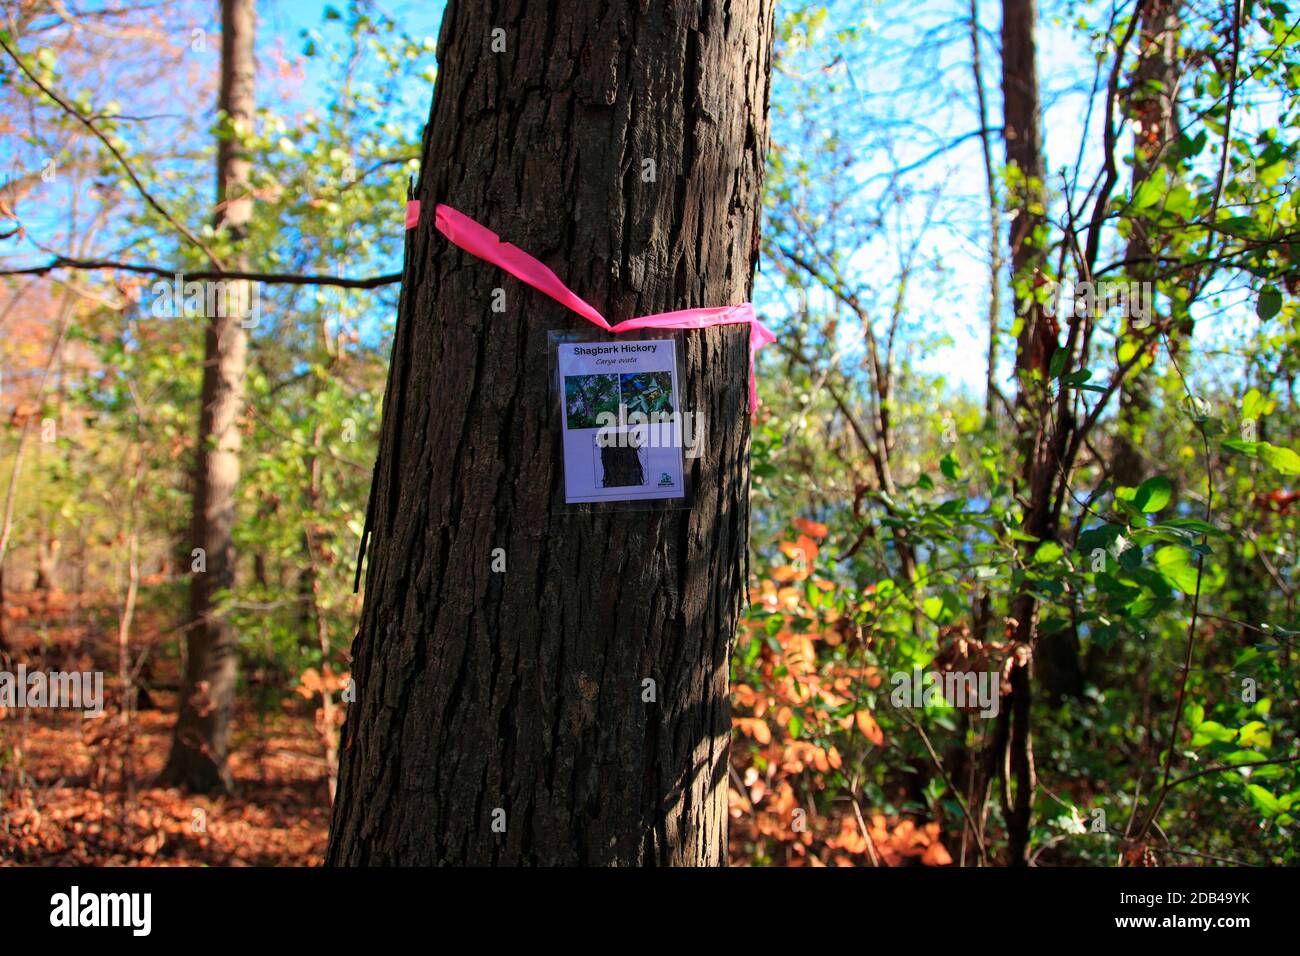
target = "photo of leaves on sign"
x: 647, y: 392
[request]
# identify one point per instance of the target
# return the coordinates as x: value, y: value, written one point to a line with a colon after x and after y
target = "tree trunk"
x: 1010, y: 759
x: 1155, y: 80
x: 995, y: 219
x: 574, y: 708
x: 4, y: 636
x: 202, y: 735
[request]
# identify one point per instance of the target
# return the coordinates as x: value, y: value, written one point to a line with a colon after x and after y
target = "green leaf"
x: 1253, y: 404
x: 1283, y: 459
x: 1248, y: 448
x: 942, y: 607
x: 1256, y: 734
x: 1211, y: 731
x: 1180, y: 202
x: 1174, y: 565
x: 1269, y: 303
x: 1148, y: 193
x: 1153, y: 494
x: 1057, y: 365
x: 1263, y: 799
x: 1192, y: 525
x: 1047, y: 552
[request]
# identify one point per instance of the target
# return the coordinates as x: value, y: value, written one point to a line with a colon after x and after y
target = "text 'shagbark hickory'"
x: 506, y: 717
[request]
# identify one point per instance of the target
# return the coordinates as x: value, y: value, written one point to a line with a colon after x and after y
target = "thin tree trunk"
x: 202, y: 735
x: 127, y: 617
x: 995, y: 218
x: 11, y: 490
x: 1155, y: 81
x: 572, y: 709
x: 1011, y: 756
x: 327, y: 714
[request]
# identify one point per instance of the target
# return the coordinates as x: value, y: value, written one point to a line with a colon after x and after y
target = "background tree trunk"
x: 1155, y: 83
x: 202, y: 735
x: 518, y: 698
x: 995, y: 218
x: 1011, y: 760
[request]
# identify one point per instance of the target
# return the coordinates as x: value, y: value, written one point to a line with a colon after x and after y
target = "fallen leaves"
x: 85, y: 794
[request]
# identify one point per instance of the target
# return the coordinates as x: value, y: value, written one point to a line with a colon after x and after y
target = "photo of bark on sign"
x: 622, y: 460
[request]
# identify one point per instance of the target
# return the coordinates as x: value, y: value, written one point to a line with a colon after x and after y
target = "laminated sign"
x: 623, y: 429
x: 622, y: 422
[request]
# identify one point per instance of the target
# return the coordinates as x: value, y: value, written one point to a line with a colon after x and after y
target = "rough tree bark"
x: 202, y: 735
x: 518, y: 698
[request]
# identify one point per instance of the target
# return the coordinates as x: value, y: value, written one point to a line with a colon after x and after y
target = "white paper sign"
x: 622, y: 422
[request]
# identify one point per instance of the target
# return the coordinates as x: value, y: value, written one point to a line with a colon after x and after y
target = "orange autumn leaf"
x: 833, y: 758
x: 801, y: 657
x: 786, y: 572
x: 309, y: 682
x: 819, y: 759
x: 831, y: 699
x: 766, y: 595
x: 936, y: 855
x: 850, y: 839
x: 870, y: 729
x: 785, y: 800
x: 789, y: 597
x: 907, y: 840
x: 814, y: 528
x: 804, y: 551
x: 753, y: 727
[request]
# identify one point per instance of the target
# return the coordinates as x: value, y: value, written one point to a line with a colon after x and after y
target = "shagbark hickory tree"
x: 574, y: 707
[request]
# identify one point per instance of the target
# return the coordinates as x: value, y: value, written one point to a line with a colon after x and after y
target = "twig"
x: 144, y: 193
x: 270, y: 278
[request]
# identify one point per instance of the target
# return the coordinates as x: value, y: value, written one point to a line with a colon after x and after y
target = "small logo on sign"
x: 665, y: 479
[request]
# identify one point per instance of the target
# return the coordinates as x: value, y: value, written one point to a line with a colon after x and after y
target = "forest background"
x: 1031, y: 412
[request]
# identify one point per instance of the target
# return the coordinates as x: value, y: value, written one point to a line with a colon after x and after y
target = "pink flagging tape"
x: 412, y: 213
x: 482, y: 242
